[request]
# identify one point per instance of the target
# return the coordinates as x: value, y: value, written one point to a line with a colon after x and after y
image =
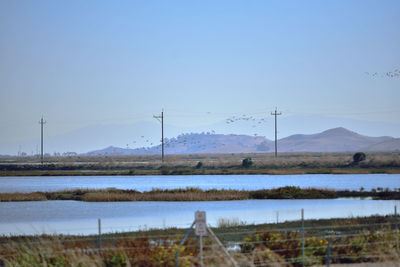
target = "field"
x: 286, y: 163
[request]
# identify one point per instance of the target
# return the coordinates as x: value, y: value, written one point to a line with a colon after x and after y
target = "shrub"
x: 199, y: 165
x: 117, y: 260
x: 247, y: 162
x: 358, y: 157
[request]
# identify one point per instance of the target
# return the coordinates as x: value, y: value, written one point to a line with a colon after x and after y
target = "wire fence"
x: 301, y: 243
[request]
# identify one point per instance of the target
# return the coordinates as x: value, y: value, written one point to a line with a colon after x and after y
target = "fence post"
x: 99, y: 237
x: 328, y: 252
x: 234, y: 263
x: 302, y: 236
x: 396, y: 229
x: 201, y: 250
x: 181, y: 243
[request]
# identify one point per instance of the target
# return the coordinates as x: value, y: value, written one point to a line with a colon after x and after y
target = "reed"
x: 7, y: 197
x: 197, y: 194
x: 229, y: 222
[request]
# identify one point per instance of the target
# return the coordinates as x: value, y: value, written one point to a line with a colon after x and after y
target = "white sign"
x: 200, y: 220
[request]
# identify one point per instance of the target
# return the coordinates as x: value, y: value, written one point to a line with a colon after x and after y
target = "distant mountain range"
x: 332, y: 140
x: 147, y: 133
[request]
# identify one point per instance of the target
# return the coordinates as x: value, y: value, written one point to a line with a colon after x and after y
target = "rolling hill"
x: 388, y: 145
x: 332, y: 140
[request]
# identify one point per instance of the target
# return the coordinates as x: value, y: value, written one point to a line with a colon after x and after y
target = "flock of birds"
x: 390, y: 74
x: 188, y: 141
x: 246, y: 118
x: 183, y: 140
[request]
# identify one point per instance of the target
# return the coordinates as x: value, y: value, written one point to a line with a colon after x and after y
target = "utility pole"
x: 41, y: 122
x: 162, y: 132
x: 276, y: 131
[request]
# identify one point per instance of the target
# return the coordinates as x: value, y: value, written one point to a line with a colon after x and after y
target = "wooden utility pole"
x: 162, y: 132
x: 41, y: 122
x: 276, y: 131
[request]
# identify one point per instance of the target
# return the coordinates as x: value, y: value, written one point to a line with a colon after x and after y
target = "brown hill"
x: 333, y: 140
x: 388, y: 145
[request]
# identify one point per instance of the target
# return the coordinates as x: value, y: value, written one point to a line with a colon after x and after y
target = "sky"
x: 81, y: 63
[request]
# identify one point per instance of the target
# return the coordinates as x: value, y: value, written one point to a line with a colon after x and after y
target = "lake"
x: 81, y: 217
x: 74, y: 217
x: 247, y: 182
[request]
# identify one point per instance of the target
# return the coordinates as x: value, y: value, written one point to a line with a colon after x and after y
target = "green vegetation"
x: 246, y: 163
x: 293, y: 192
x: 199, y: 165
x: 197, y: 194
x: 358, y: 157
x: 287, y: 247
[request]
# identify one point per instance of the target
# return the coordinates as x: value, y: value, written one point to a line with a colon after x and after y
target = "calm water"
x: 81, y: 217
x: 76, y: 217
x: 249, y: 182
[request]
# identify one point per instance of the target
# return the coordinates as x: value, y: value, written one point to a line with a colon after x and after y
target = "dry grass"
x: 229, y: 222
x: 7, y: 197
x: 353, y: 240
x: 152, y: 164
x: 169, y: 195
x: 197, y: 194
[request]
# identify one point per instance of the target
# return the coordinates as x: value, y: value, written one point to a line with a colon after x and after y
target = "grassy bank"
x: 352, y: 240
x: 214, y: 171
x: 286, y: 163
x: 196, y: 194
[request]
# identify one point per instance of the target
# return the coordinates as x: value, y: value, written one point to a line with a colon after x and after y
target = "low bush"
x: 358, y: 157
x: 247, y: 162
x: 199, y: 165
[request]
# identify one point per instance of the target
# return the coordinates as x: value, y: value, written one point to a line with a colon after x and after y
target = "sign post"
x: 201, y: 224
x: 201, y: 230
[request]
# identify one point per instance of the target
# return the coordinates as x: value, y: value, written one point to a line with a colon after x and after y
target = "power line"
x: 41, y: 122
x: 276, y: 131
x: 162, y: 132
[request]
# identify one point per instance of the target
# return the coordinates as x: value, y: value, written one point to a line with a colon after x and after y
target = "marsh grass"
x: 190, y: 194
x: 6, y: 197
x: 197, y: 194
x: 229, y: 222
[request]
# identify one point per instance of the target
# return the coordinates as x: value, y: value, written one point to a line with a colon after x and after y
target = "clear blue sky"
x: 88, y: 62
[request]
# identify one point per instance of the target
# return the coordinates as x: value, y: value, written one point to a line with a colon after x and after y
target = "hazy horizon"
x: 85, y: 64
x: 148, y: 133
